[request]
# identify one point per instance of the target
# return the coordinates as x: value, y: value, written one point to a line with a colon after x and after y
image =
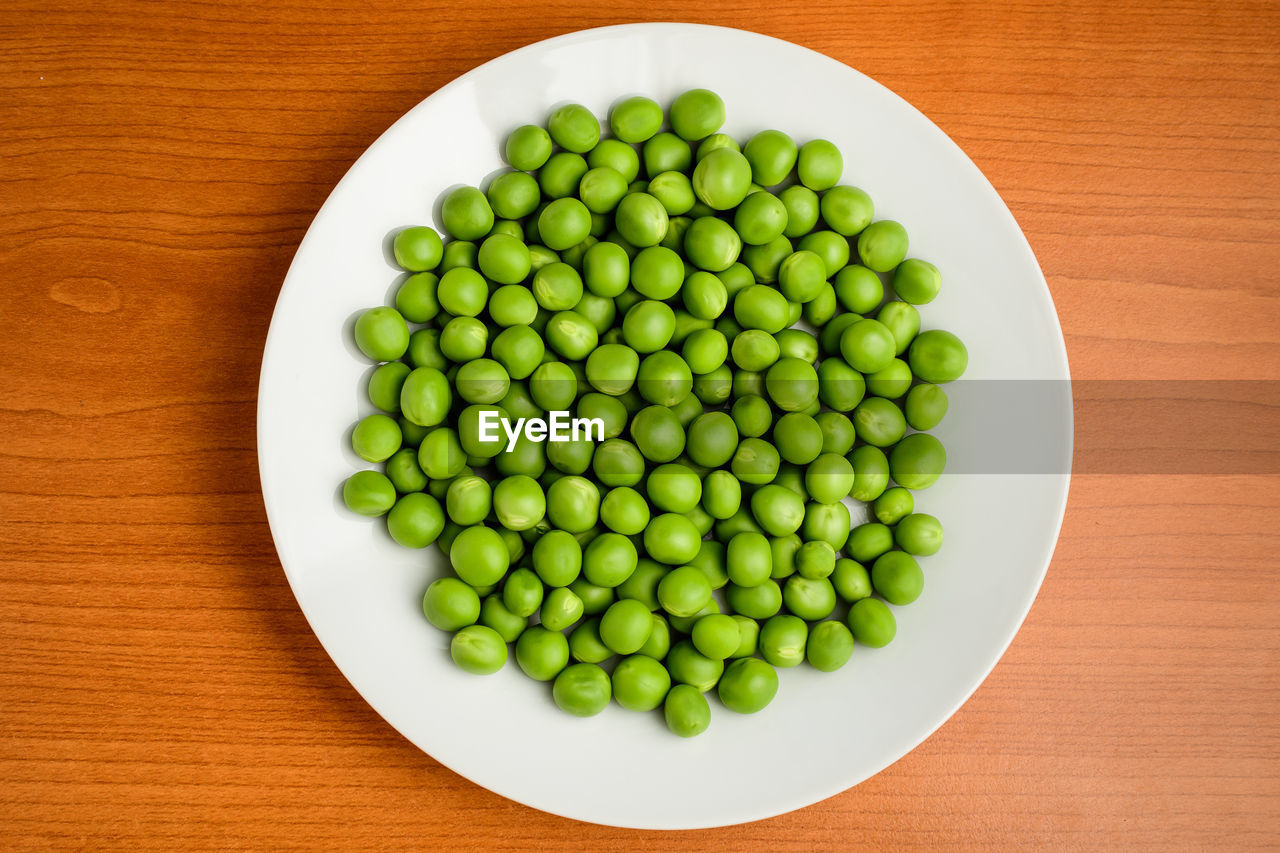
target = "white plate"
x: 823, y: 733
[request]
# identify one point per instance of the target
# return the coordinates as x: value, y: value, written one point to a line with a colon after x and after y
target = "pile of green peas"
x: 656, y: 280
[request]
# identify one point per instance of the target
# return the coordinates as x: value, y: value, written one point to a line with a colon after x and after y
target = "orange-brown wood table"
x: 160, y: 161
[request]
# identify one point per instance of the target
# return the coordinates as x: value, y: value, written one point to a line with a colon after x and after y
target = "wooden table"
x: 160, y: 689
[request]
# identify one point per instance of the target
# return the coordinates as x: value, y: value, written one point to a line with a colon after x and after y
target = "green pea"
x: 712, y: 439
x: 755, y: 462
x: 896, y: 576
x: 513, y: 305
x: 528, y: 147
x: 690, y: 666
x: 800, y: 205
x: 648, y: 326
x: 418, y: 249
x: 798, y: 438
x: 376, y: 437
x: 617, y: 155
x: 459, y: 253
x: 571, y: 335
x: 772, y: 155
x: 573, y: 504
x: 449, y: 604
x: 859, y: 289
x: 830, y: 646
x: 882, y: 245
x: 641, y: 220
x: 494, y: 614
x: 756, y: 602
x: 663, y: 378
x: 606, y: 269
x: 764, y: 260
x: 466, y: 214
x: 850, y: 580
x: 582, y: 689
x: 609, y: 560
x: 468, y: 500
x: 867, y: 346
x: 482, y: 381
x: 683, y: 591
x: 919, y: 534
x: 462, y: 339
x: 672, y: 487
x: 917, y: 461
x: 868, y: 541
x: 405, y: 473
x: 819, y: 164
x: 585, y: 644
x: 659, y: 643
x: 416, y: 520
x: 755, y: 350
x: 502, y: 258
x: 617, y: 462
x: 519, y: 503
x: 705, y: 351
x: 893, y: 506
x: 815, y: 559
x: 783, y: 556
x: 748, y: 685
x: 382, y: 334
x: 368, y: 493
x: 513, y: 195
x: 848, y: 210
x: 937, y: 356
x: 827, y: 523
x: 902, y: 321
x: 542, y: 653
x: 564, y: 223
x: 657, y: 273
x: 624, y: 511
x: 749, y: 559
x: 832, y: 248
x: 712, y: 244
x: 879, y: 422
x: 870, y: 473
x: 809, y: 598
x: 642, y: 584
x: 686, y: 711
x: 792, y: 384
x: 560, y: 609
x: 722, y: 179
x: 925, y: 406
x: 752, y: 415
x: 782, y: 640
x: 716, y: 636
x: 553, y: 386
x: 666, y: 152
x: 714, y: 141
x: 672, y: 539
x: 478, y: 649
x: 625, y: 626
x: 696, y: 114
x: 872, y: 623
x: 635, y: 119
x: 595, y: 599
x: 640, y: 683
x: 721, y: 494
x: 574, y: 128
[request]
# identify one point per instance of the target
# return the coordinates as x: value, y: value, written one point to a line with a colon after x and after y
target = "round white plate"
x: 824, y: 732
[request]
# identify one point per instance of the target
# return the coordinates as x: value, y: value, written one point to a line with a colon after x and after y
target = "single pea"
x: 686, y: 711
x: 640, y: 683
x: 761, y: 307
x: 829, y: 336
x: 648, y: 326
x: 772, y: 155
x: 585, y: 644
x: 494, y: 614
x: 722, y: 179
x: 716, y: 636
x: 801, y: 207
x: 582, y: 689
x: 696, y: 114
x: 830, y: 646
x: 416, y: 520
x: 478, y: 649
x: 601, y: 189
x: 683, y: 591
x: 757, y: 602
x: 513, y: 195
x: 832, y: 248
x: 466, y: 214
x: 783, y: 551
x: 424, y: 350
x: 573, y: 504
x: 672, y: 539
x: 896, y: 576
x: 902, y: 321
x: 859, y: 289
x: 659, y: 643
x: 560, y: 609
x: 468, y: 500
x: 938, y: 357
x: 595, y: 599
x: 893, y: 506
x: 617, y: 155
x: 642, y: 220
x: 624, y: 511
x: 816, y: 559
x: 819, y: 310
x: 635, y: 119
x: 382, y: 334
x: 625, y: 626
x: 519, y: 350
x: 462, y: 339
x: 563, y: 223
x: 440, y: 455
x: 850, y: 580
x: 642, y: 584
x: 721, y: 494
x: 416, y: 298
x: 917, y: 281
x: 755, y: 462
x: 782, y: 640
x: 542, y: 653
x: 798, y: 438
x: 827, y: 523
x: 609, y: 559
x: 503, y: 259
x: 755, y: 350
x: 872, y: 623
x: 838, y: 433
x: 764, y: 260
x: 482, y: 381
x: 748, y: 685
x: 829, y: 478
x: 663, y: 378
x: 714, y: 141
x: 617, y: 462
x: 513, y: 305
x: 868, y: 541
x: 848, y: 210
x: 760, y: 218
x: 418, y: 249
x: 666, y: 152
x: 712, y: 439
x: 704, y: 351
x: 749, y: 559
x: 752, y: 415
x: 559, y: 178
x: 449, y: 604
x: 809, y: 598
x: 553, y: 386
x: 925, y: 406
x: 792, y: 384
x: 606, y: 269
x: 518, y: 503
x: 459, y: 253
x: 867, y: 346
x: 882, y: 245
x: 870, y: 473
x: 919, y: 534
x: 879, y: 422
x: 778, y: 510
x: 369, y: 493
x: 571, y: 335
x: 528, y: 147
x: 376, y: 437
x: 801, y: 276
x: 712, y: 244
x: 917, y: 461
x: 405, y: 473
x: 672, y: 487
x: 674, y: 190
x: 819, y: 164
x: 690, y: 666
x: 657, y: 273
x: 797, y: 343
x: 574, y: 128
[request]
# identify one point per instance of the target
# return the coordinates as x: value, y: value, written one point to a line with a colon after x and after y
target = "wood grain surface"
x: 160, y: 161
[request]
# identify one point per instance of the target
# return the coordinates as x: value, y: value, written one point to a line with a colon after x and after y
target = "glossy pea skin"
x: 504, y: 259
x: 859, y: 289
x: 851, y: 580
x: 663, y: 378
x: 683, y: 591
x: 938, y: 356
x: 798, y: 438
x: 624, y: 511
x: 574, y: 128
x: 617, y: 462
x: 868, y: 541
x: 642, y: 220
x: 897, y: 577
x: 376, y: 437
x: 478, y: 649
x: 696, y: 114
x: 712, y: 244
x: 689, y: 666
x: 606, y: 269
x: 760, y: 218
x: 513, y: 195
x: 879, y: 422
x: 404, y: 472
x: 752, y: 415
x: 925, y: 406
x: 919, y: 534
x: 764, y: 260
x: 541, y: 653
x: 882, y: 245
x: 609, y: 559
x: 722, y: 179
x: 468, y: 500
x: 847, y: 210
x: 673, y: 487
x: 819, y: 165
x: 635, y: 119
x: 801, y: 276
x: 715, y: 636
x: 792, y: 384
x: 748, y: 685
x: 815, y: 559
x: 902, y: 321
x: 449, y: 604
x: 872, y: 623
x: 867, y: 346
x: 640, y: 683
x: 782, y: 640
x: 721, y: 494
x: 917, y: 461
x: 418, y: 249
x: 512, y: 305
x: 625, y: 626
x: 893, y: 506
x: 749, y: 559
x: 712, y: 439
x: 582, y: 689
x: 808, y: 598
x: 704, y: 351
x: 829, y: 647
x: 416, y: 520
x: 642, y: 585
x: 369, y: 493
x: 755, y: 462
x: 870, y: 473
x: 772, y: 154
x: 382, y: 334
x: 528, y: 147
x: 466, y: 214
x: 756, y: 602
x: 686, y: 711
x: 658, y: 646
